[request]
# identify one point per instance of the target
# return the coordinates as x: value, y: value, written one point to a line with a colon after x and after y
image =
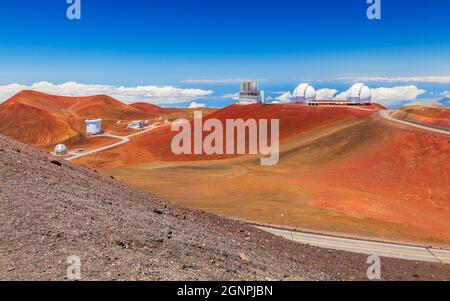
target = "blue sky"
x: 179, y: 43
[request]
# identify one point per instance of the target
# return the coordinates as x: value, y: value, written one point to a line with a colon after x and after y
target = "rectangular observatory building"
x: 93, y: 126
x: 250, y: 93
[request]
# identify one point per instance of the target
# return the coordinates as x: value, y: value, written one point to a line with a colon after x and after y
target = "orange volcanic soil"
x: 294, y: 119
x: 385, y: 172
x: 105, y: 107
x: 340, y: 170
x: 82, y: 142
x: 147, y: 108
x: 45, y: 120
x: 38, y: 119
x: 41, y: 119
x: 429, y: 115
x: 170, y: 114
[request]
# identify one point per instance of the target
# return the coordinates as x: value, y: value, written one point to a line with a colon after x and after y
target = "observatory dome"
x: 60, y: 150
x: 360, y: 93
x: 304, y: 93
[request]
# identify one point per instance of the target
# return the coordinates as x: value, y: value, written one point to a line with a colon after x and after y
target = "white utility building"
x: 94, y: 126
x: 359, y: 94
x: 250, y: 93
x: 304, y: 93
x: 136, y: 125
x: 61, y: 150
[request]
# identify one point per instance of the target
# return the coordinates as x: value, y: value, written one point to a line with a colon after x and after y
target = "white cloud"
x: 396, y: 95
x: 218, y: 81
x: 424, y: 102
x: 342, y: 96
x: 325, y: 94
x: 445, y: 94
x: 417, y: 79
x: 321, y: 94
x: 390, y: 96
x: 284, y: 98
x: 151, y: 94
x: 196, y: 105
x: 233, y: 96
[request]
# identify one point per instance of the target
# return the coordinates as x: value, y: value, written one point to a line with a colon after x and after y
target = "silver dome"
x: 304, y: 93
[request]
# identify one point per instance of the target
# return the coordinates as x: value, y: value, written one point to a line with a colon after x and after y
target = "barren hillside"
x: 46, y: 120
x: 294, y: 120
x: 340, y: 170
x: 436, y: 116
x: 50, y: 210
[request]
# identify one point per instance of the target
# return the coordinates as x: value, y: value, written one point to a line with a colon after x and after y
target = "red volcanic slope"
x: 386, y: 171
x: 169, y: 113
x: 147, y: 108
x: 373, y: 170
x: 429, y: 115
x: 38, y: 119
x: 294, y: 119
x: 41, y: 119
x: 105, y: 107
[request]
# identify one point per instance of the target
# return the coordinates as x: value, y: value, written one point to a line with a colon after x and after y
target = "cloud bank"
x: 160, y: 95
x: 326, y: 94
x: 233, y: 96
x: 196, y: 105
x: 412, y: 79
x: 385, y: 96
x: 151, y: 94
x: 391, y: 96
x: 425, y: 102
x: 218, y: 81
x: 396, y: 95
x: 284, y: 98
x: 445, y: 94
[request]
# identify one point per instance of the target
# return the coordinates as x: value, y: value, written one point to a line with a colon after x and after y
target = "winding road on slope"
x: 370, y: 247
x: 122, y: 140
x: 386, y: 114
x: 330, y: 242
x: 364, y: 247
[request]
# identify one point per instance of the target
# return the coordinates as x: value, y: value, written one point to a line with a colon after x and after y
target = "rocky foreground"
x: 51, y: 209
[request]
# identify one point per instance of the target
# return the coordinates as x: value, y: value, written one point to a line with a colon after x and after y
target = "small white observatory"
x: 61, y: 150
x: 250, y: 93
x: 93, y: 126
x: 304, y: 93
x: 359, y: 94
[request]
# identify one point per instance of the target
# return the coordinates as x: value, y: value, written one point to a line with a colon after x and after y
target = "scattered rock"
x: 73, y: 218
x: 158, y: 211
x: 244, y: 257
x: 57, y: 163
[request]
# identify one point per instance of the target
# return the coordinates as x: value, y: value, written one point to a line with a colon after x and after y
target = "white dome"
x: 304, y: 93
x: 359, y: 93
x: 61, y: 150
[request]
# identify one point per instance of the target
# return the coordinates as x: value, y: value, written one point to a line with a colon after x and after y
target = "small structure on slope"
x: 136, y: 125
x: 61, y: 150
x: 250, y: 93
x: 93, y: 126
